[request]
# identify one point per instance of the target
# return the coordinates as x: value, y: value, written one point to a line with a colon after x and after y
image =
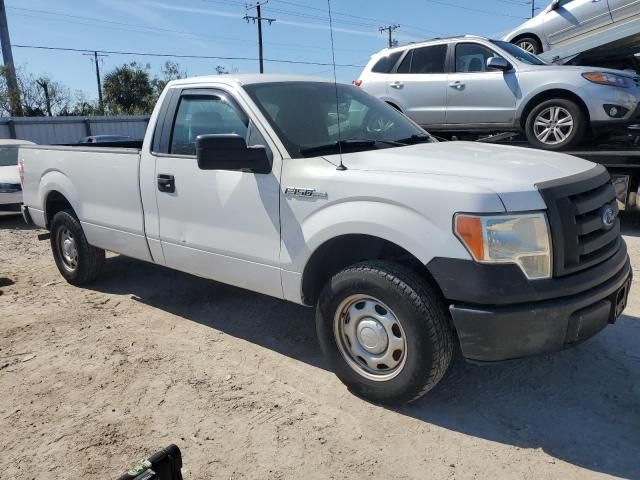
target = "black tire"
x: 573, y: 138
x: 529, y: 44
x: 423, y: 318
x: 89, y: 259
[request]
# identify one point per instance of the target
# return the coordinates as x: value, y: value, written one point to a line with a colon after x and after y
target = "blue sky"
x: 216, y: 28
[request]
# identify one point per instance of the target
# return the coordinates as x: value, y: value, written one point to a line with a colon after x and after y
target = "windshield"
x: 305, y: 117
x: 8, y: 155
x: 518, y: 53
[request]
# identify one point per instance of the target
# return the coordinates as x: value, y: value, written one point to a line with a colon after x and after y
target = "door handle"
x: 457, y: 85
x: 166, y: 183
x: 397, y: 85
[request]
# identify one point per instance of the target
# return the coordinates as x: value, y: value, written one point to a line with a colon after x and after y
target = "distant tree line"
x: 129, y: 89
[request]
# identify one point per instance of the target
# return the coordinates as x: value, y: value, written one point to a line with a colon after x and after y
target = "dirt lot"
x: 93, y: 379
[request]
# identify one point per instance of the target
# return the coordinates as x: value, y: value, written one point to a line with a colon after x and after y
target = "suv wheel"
x: 529, y: 44
x: 556, y: 124
x: 77, y: 261
x: 385, y: 332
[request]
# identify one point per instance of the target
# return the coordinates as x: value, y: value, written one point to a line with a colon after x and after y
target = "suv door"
x: 621, y: 9
x: 419, y: 85
x: 477, y: 95
x: 575, y: 17
x: 222, y: 225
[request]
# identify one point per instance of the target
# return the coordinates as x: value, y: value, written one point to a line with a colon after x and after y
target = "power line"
x: 471, y: 9
x: 117, y: 26
x: 259, y: 19
x: 180, y: 55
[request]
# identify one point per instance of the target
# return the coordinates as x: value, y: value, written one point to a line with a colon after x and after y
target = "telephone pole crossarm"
x: 258, y: 18
x: 390, y: 29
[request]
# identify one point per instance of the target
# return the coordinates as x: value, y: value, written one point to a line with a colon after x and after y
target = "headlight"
x: 9, y: 187
x: 520, y: 239
x: 606, y: 79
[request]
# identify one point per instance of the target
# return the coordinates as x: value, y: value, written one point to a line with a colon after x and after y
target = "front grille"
x: 575, y: 208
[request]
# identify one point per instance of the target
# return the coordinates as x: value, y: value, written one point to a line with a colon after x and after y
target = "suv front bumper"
x: 492, y: 329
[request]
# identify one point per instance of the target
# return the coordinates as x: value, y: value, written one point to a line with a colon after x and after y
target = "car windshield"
x: 8, y: 155
x: 305, y: 117
x: 518, y: 53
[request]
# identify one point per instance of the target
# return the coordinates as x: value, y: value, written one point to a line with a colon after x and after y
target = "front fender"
x: 394, y: 223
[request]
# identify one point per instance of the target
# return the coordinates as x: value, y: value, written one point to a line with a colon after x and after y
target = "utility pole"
x: 533, y: 8
x: 390, y: 29
x: 9, y: 67
x: 96, y: 56
x: 45, y: 87
x: 259, y: 19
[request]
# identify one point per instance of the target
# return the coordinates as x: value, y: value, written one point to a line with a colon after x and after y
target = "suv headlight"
x: 521, y: 239
x: 606, y: 79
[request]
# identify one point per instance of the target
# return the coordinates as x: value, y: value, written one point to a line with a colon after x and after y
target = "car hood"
x: 9, y: 174
x: 511, y: 172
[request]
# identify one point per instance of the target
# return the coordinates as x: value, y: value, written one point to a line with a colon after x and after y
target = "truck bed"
x: 101, y: 183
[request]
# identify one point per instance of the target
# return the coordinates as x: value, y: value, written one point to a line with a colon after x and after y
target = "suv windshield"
x: 518, y: 53
x: 305, y: 117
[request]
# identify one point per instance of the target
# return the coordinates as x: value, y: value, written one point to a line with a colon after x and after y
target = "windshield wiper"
x: 413, y: 139
x: 348, y: 144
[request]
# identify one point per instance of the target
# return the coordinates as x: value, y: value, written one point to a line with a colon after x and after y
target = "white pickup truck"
x: 325, y: 196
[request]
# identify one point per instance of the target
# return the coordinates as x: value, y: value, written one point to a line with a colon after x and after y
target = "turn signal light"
x: 469, y: 230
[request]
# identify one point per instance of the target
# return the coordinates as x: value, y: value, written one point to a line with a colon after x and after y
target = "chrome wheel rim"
x: 370, y: 338
x: 553, y: 125
x: 527, y: 47
x: 68, y: 249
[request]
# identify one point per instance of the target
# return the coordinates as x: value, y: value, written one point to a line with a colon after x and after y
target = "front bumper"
x: 597, y: 96
x: 496, y: 331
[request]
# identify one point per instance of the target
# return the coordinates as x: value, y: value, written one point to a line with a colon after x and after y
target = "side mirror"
x: 230, y: 152
x: 498, y: 63
x: 555, y: 5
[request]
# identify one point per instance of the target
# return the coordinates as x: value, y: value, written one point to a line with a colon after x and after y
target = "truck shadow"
x: 581, y: 406
x: 13, y: 222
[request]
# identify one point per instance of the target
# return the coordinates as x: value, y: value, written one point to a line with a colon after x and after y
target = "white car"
x: 584, y: 24
x: 10, y: 188
x: 325, y: 196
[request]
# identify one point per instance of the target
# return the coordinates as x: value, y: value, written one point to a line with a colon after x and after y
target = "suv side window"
x: 472, y: 57
x: 425, y: 60
x: 386, y: 64
x: 203, y: 115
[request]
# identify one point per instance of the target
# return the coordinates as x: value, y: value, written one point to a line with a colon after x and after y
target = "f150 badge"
x: 308, y: 193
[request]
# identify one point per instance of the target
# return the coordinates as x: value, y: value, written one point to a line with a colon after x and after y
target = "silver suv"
x: 472, y: 84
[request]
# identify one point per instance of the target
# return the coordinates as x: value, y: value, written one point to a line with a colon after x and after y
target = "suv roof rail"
x: 453, y: 37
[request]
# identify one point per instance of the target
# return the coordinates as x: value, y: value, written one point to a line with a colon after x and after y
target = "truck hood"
x: 9, y: 174
x: 510, y: 172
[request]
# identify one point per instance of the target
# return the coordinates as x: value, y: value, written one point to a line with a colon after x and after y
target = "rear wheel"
x: 556, y: 124
x: 385, y: 332
x: 77, y: 261
x: 529, y: 44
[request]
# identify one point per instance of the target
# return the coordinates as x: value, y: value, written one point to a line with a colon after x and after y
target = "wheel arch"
x: 550, y: 95
x: 342, y: 251
x: 55, y: 202
x: 520, y: 36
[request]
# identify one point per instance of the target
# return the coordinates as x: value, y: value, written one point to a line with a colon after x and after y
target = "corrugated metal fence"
x: 60, y: 130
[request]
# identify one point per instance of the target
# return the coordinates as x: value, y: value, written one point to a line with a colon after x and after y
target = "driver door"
x: 575, y: 17
x: 217, y: 224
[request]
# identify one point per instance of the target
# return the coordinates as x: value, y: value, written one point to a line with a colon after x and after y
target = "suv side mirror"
x: 498, y: 63
x: 555, y: 5
x: 230, y: 152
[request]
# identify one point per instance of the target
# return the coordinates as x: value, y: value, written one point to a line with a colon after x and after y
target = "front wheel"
x: 385, y: 332
x: 78, y: 262
x: 556, y: 124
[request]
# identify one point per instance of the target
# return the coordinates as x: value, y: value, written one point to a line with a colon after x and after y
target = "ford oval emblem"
x: 608, y: 216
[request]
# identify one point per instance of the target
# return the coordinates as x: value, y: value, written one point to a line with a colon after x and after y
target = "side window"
x: 385, y: 64
x: 472, y: 57
x: 203, y: 115
x: 425, y: 60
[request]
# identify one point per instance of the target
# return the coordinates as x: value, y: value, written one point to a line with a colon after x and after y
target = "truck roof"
x: 247, y: 79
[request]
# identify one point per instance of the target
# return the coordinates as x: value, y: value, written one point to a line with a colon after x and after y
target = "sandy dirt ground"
x: 93, y: 379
